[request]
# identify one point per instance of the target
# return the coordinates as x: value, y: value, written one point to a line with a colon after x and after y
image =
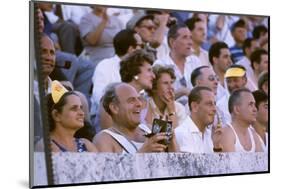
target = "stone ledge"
x: 89, y: 167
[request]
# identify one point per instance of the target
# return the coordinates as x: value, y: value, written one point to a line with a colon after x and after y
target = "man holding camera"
x: 126, y: 135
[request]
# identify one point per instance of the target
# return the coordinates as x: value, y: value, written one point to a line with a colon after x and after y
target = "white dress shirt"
x: 106, y: 72
x: 191, y: 139
x: 203, y: 57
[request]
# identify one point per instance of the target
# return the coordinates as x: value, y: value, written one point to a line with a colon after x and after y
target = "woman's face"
x: 72, y: 115
x: 146, y: 76
x: 164, y: 86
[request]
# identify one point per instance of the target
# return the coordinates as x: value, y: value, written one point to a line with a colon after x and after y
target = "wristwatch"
x: 217, y: 149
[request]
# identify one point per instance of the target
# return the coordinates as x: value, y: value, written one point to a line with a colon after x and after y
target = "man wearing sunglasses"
x: 152, y: 32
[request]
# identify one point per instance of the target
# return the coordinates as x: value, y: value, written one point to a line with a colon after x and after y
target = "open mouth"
x: 81, y: 119
x: 48, y: 65
x: 136, y: 112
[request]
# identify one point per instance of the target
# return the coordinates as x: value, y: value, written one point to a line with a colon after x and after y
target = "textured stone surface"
x: 89, y: 167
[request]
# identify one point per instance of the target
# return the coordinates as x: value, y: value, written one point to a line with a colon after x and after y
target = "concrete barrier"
x: 100, y: 167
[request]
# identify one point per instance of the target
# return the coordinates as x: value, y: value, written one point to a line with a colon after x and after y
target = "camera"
x: 162, y: 126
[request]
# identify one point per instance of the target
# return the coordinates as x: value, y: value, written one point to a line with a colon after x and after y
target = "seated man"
x: 162, y: 98
x: 47, y: 63
x: 238, y: 136
x: 123, y: 103
x: 249, y: 46
x: 259, y: 63
x: 181, y: 59
x: 261, y: 125
x: 239, y: 33
x: 194, y: 135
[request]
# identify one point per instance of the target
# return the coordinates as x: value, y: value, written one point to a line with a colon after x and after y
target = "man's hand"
x: 152, y: 144
x: 217, y: 136
x: 162, y: 19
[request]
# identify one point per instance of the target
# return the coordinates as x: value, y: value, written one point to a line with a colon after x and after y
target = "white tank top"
x: 129, y: 146
x: 238, y: 145
x: 264, y: 145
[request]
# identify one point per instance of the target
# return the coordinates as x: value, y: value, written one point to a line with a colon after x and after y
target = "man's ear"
x: 245, y: 80
x: 255, y: 66
x: 198, y: 82
x: 236, y: 109
x: 113, y: 108
x: 56, y: 115
x: 194, y: 106
x: 215, y: 60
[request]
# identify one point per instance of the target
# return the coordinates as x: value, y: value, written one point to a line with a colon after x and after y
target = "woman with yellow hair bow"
x: 65, y: 116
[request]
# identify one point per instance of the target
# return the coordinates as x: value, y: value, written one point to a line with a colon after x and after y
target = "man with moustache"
x: 238, y: 136
x: 123, y: 103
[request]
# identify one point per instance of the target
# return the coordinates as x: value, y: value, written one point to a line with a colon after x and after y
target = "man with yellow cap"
x: 235, y: 77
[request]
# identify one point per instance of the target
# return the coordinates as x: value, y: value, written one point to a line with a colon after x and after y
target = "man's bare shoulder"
x: 228, y: 139
x: 228, y: 130
x: 103, y: 136
x: 106, y: 143
x: 228, y: 133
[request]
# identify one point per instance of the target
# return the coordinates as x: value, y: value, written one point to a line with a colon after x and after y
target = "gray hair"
x: 110, y: 96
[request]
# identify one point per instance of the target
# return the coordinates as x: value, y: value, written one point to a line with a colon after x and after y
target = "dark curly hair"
x: 130, y: 64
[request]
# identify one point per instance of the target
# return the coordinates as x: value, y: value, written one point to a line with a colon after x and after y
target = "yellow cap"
x: 57, y: 91
x: 234, y: 72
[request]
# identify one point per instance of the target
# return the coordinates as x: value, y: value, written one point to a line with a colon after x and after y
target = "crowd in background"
x: 120, y: 69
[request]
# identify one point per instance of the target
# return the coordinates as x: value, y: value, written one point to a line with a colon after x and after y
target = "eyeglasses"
x: 149, y: 27
x: 213, y: 78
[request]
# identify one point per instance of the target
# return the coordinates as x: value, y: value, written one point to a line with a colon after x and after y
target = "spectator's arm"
x: 94, y: 36
x: 227, y: 140
x: 158, y: 35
